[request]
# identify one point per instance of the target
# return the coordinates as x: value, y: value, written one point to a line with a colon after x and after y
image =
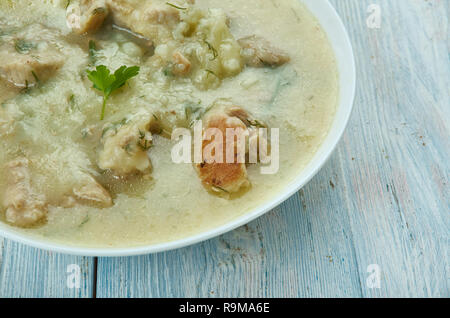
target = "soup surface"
x: 86, y: 157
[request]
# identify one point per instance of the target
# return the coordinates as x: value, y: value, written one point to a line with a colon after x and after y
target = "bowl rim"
x: 345, y: 108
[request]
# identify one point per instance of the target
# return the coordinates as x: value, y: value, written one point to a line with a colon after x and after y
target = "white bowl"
x: 340, y: 42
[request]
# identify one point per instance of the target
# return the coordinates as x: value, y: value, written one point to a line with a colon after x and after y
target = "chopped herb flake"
x: 211, y: 72
x: 214, y: 51
x: 92, y: 52
x: 107, y: 83
x: 175, y: 6
x: 36, y: 78
x: 24, y: 47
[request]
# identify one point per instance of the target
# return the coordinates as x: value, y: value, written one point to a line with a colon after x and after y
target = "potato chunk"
x: 210, y: 46
x: 202, y: 47
x: 86, y: 16
x: 258, y: 52
x: 125, y: 145
x: 24, y: 206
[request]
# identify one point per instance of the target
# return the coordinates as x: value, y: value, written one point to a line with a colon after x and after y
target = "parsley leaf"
x: 107, y: 83
x: 123, y: 74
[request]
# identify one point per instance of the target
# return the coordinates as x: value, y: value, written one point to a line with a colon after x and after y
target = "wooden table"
x: 382, y: 199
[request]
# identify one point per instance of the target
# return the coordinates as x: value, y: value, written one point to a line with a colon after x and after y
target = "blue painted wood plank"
x: 29, y: 272
x: 2, y: 242
x: 399, y: 135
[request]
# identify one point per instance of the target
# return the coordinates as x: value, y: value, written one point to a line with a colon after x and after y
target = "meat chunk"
x: 92, y: 192
x: 181, y: 65
x: 24, y: 206
x: 29, y: 57
x: 153, y: 19
x: 25, y: 71
x: 225, y: 177
x: 255, y: 138
x: 86, y: 16
x: 125, y: 145
x: 257, y: 52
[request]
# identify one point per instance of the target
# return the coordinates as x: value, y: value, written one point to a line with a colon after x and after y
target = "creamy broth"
x: 55, y: 123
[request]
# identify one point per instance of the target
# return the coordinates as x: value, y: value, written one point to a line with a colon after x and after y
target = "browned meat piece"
x: 86, y: 16
x: 257, y: 52
x: 225, y: 177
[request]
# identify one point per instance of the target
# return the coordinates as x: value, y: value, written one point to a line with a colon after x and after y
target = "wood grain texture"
x: 399, y: 204
x: 383, y: 198
x: 29, y: 272
x: 2, y: 242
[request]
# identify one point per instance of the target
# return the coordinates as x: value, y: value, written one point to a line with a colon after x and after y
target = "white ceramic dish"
x: 340, y: 42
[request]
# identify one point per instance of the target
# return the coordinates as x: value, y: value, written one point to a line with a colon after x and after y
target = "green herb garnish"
x: 175, y: 6
x: 214, y: 51
x: 191, y: 110
x: 128, y: 148
x: 23, y: 47
x: 84, y: 133
x: 144, y: 143
x: 211, y: 72
x: 256, y: 123
x: 98, y: 11
x: 92, y: 52
x: 219, y: 189
x: 36, y: 78
x: 85, y: 220
x: 71, y: 101
x: 168, y: 70
x: 107, y: 83
x: 194, y: 112
x: 115, y: 126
